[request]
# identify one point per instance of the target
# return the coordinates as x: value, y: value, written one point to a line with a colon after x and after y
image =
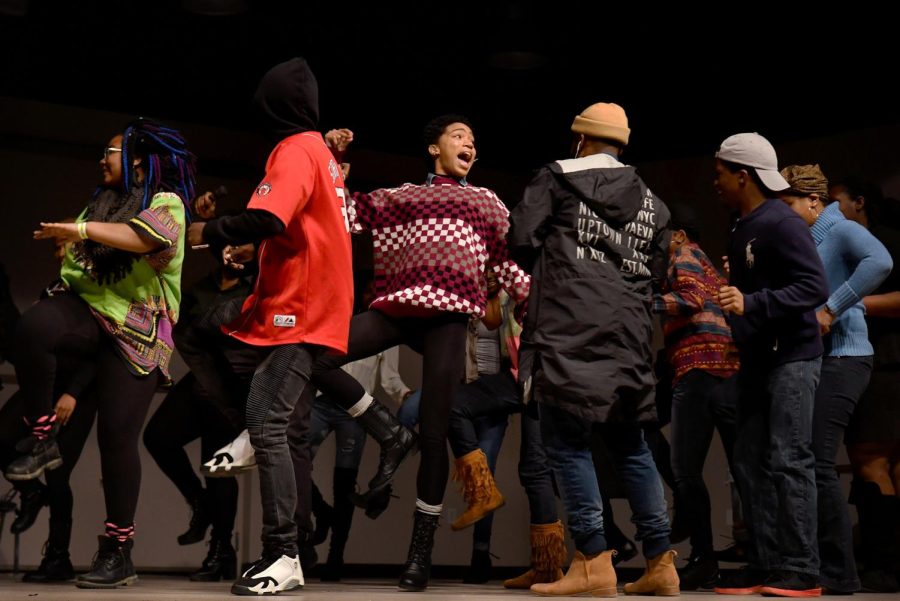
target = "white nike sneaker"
x: 232, y: 459
x: 270, y: 576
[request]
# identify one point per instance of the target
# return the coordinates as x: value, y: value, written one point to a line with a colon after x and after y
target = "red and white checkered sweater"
x: 432, y: 244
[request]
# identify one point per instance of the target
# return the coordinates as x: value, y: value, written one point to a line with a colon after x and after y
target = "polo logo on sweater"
x: 263, y: 189
x: 749, y: 252
x: 285, y: 321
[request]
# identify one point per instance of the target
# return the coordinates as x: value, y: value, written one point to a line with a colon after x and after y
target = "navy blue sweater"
x: 774, y: 263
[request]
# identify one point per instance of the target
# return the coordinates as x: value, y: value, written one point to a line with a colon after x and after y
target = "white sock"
x: 361, y: 405
x: 429, y: 509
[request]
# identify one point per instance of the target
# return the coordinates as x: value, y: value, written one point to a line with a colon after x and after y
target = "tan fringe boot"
x: 478, y: 488
x: 548, y: 554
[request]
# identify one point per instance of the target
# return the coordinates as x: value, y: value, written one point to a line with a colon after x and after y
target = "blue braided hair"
x: 168, y: 165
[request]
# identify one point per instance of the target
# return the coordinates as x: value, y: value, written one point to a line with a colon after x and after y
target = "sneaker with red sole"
x: 786, y: 583
x: 746, y: 581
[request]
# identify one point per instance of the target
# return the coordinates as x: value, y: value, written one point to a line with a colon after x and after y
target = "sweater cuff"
x: 842, y: 299
x: 750, y: 303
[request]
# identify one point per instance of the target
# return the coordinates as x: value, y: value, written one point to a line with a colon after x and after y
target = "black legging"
x: 50, y: 330
x: 441, y: 340
x: 185, y: 415
x: 123, y: 398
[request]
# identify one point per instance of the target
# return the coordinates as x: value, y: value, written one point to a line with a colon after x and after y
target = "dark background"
x: 687, y: 76
x: 819, y: 85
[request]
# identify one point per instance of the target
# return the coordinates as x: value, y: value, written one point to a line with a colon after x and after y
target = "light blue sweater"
x: 855, y: 263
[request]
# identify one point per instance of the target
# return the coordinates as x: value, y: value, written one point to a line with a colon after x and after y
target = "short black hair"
x: 735, y: 167
x: 435, y: 129
x: 855, y: 187
x: 685, y: 218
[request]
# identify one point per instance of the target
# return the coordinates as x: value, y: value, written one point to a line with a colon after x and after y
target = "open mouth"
x: 465, y: 157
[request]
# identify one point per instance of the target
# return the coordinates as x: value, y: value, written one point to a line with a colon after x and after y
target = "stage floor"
x: 153, y: 588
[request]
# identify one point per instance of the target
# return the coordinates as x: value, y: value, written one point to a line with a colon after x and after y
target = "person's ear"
x: 434, y: 150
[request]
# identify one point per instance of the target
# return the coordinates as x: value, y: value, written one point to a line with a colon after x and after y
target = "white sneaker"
x: 235, y: 457
x: 270, y: 576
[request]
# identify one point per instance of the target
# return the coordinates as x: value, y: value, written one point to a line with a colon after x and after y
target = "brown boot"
x: 660, y: 577
x: 594, y: 575
x: 548, y: 552
x: 478, y: 488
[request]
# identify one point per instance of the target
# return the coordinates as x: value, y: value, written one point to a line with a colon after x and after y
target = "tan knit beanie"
x: 603, y: 120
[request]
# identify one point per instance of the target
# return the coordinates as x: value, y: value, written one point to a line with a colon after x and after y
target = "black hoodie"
x: 595, y: 239
x: 287, y: 99
x: 287, y: 103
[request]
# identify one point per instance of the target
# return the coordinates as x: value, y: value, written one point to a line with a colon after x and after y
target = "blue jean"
x: 701, y: 403
x: 349, y: 436
x: 408, y: 413
x: 843, y: 381
x: 567, y: 440
x: 489, y: 395
x: 774, y: 464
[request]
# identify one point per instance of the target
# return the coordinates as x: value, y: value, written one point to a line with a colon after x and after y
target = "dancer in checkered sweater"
x: 432, y: 246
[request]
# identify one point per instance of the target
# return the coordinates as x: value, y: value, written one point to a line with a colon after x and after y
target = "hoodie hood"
x: 287, y: 99
x: 609, y: 188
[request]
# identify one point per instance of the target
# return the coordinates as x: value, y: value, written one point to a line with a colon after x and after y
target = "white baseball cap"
x: 753, y: 150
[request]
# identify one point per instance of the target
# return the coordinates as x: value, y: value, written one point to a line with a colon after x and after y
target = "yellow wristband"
x: 82, y: 230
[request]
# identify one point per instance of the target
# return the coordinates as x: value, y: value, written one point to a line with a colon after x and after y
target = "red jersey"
x: 304, y: 290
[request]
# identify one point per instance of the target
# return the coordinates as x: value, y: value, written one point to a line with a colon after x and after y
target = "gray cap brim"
x: 772, y: 180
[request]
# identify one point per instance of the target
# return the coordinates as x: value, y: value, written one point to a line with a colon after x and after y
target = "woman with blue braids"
x: 118, y: 293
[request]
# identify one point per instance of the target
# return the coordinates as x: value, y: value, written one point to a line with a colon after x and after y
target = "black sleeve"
x: 528, y: 221
x: 252, y: 225
x: 659, y: 254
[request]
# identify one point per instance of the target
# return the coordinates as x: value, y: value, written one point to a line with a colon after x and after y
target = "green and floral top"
x: 140, y: 309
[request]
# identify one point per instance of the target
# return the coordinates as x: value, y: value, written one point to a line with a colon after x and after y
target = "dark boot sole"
x: 229, y: 473
x: 412, y: 588
x: 48, y: 579
x: 50, y: 465
x: 127, y: 581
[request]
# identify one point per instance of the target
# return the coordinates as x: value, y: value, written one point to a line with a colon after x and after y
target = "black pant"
x: 50, y: 335
x: 224, y: 368
x: 441, y: 340
x: 701, y: 403
x: 123, y: 398
x: 222, y: 365
x: 185, y: 415
x: 279, y: 399
x: 298, y: 437
x: 842, y: 383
